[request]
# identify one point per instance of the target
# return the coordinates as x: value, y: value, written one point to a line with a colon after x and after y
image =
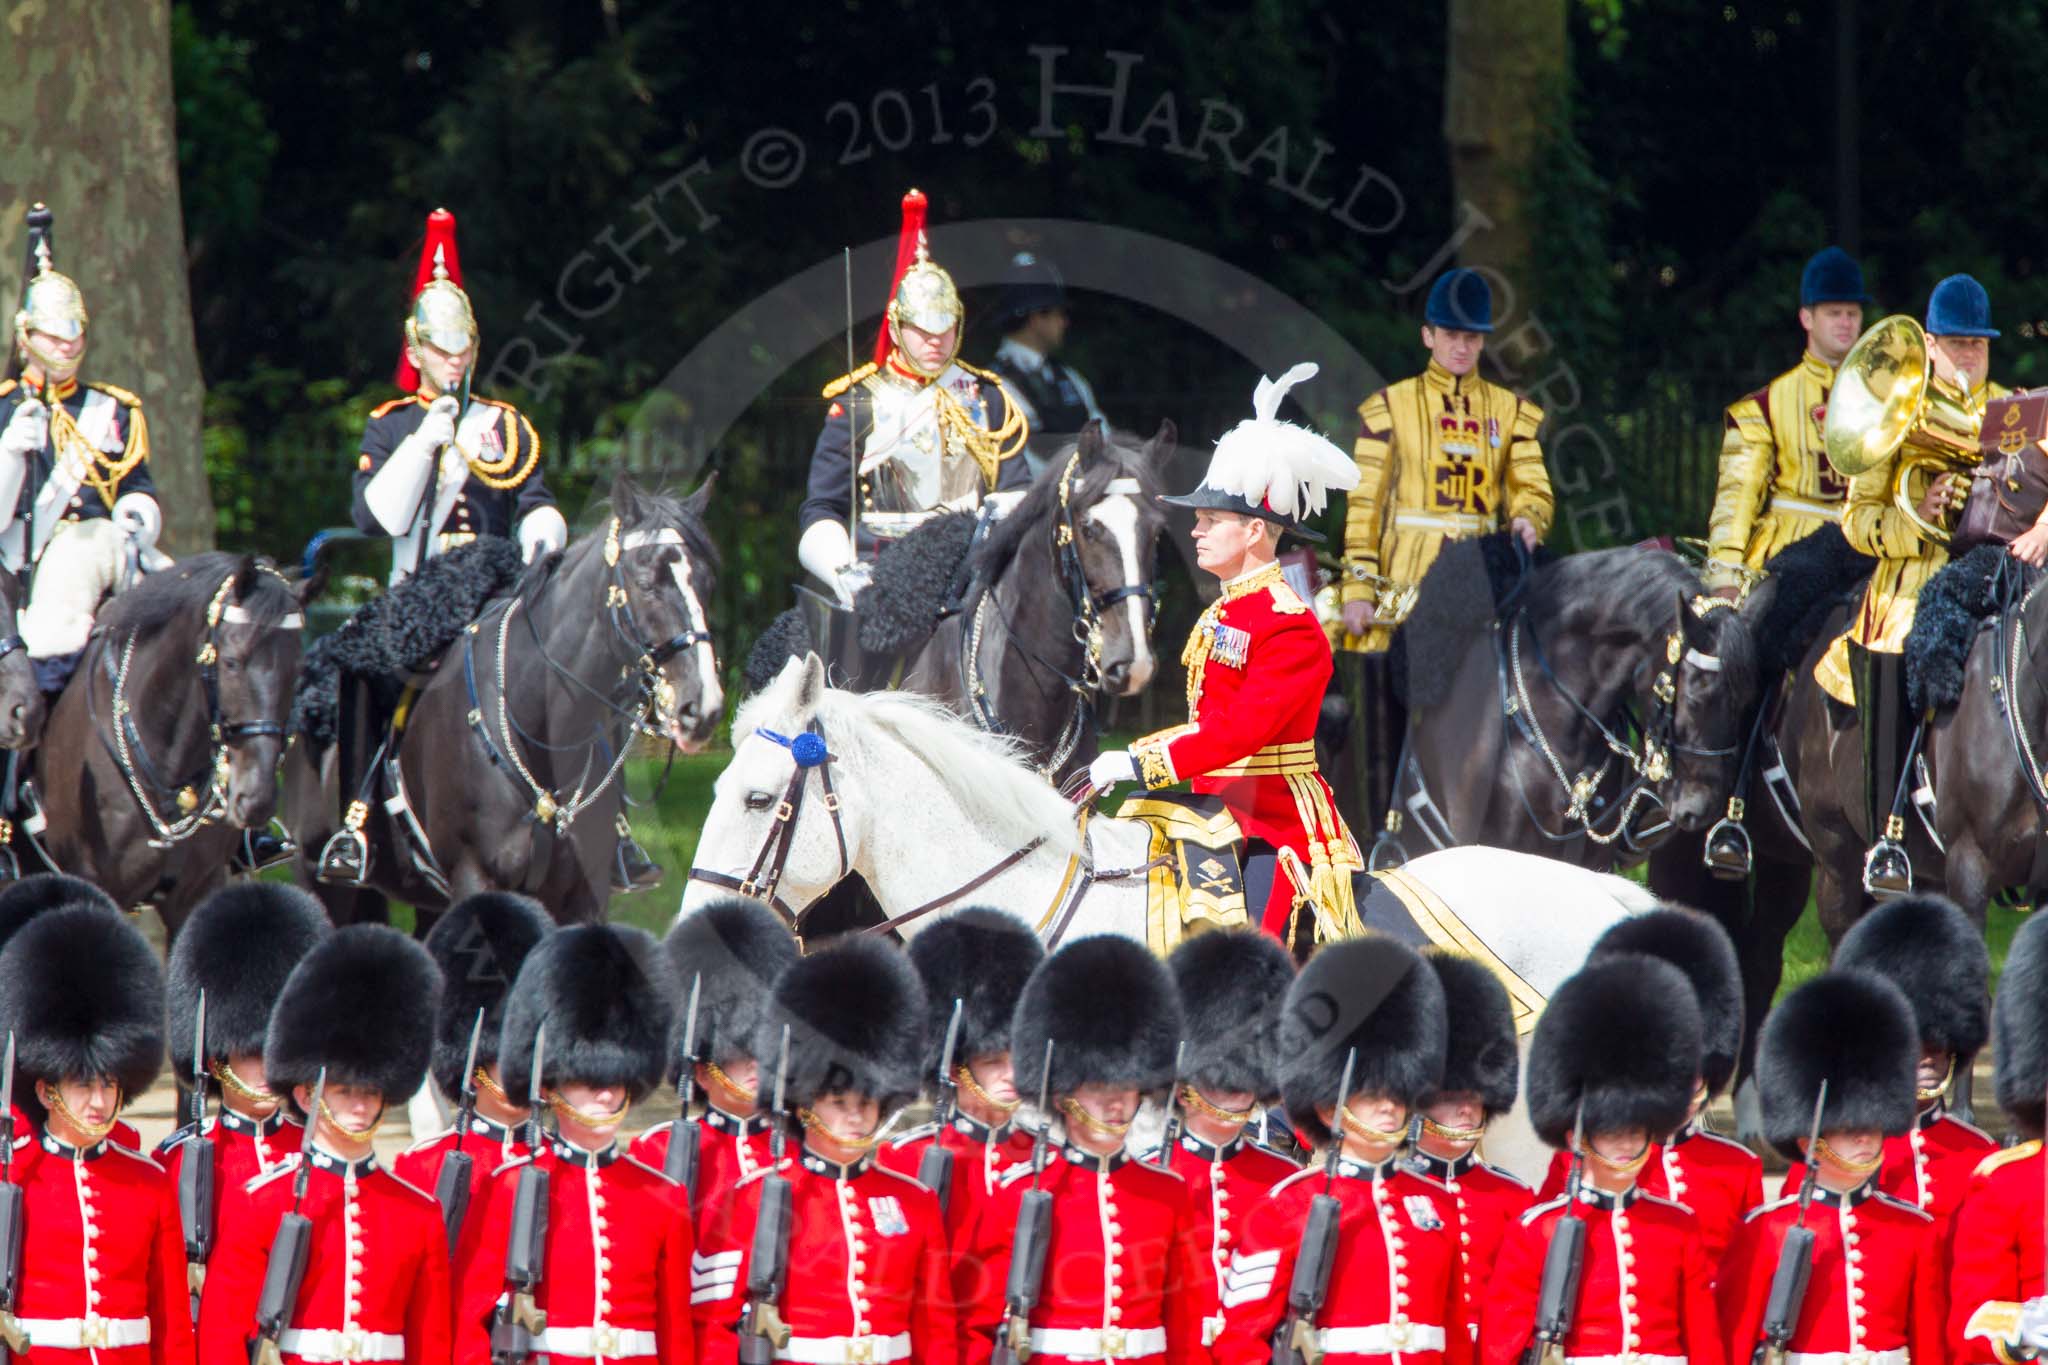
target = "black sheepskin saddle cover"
x: 1955, y: 604
x: 1462, y: 593
x: 1811, y: 577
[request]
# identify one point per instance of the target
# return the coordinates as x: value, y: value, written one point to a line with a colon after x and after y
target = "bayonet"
x: 680, y: 1162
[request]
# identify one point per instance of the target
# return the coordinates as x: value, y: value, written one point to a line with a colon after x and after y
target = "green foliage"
x: 224, y: 146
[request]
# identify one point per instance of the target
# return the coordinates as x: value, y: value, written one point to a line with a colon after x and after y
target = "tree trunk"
x: 87, y: 125
x: 1506, y: 61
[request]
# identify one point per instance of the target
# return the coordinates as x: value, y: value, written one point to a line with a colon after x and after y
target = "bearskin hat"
x: 23, y: 900
x: 1701, y: 948
x: 981, y: 958
x: 855, y: 1011
x: 608, y: 999
x: 1372, y: 996
x: 1232, y: 983
x: 2019, y: 1027
x: 737, y: 948
x: 1110, y: 1011
x: 1853, y: 1030
x: 1929, y: 949
x: 479, y: 946
x: 360, y: 1005
x: 1623, y: 1035
x: 83, y: 996
x: 1481, y: 1055
x: 238, y: 947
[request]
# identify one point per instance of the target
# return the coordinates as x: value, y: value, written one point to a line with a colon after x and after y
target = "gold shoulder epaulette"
x: 398, y: 402
x: 980, y: 373
x: 113, y: 391
x: 8, y: 386
x: 847, y: 381
x: 2006, y: 1157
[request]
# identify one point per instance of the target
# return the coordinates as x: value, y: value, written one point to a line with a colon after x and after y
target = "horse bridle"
x: 811, y: 754
x: 660, y: 697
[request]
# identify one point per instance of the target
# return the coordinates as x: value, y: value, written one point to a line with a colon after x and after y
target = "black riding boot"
x: 1880, y: 684
x: 632, y: 869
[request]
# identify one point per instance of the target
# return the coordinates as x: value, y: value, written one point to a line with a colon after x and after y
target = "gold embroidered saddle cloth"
x: 1196, y: 876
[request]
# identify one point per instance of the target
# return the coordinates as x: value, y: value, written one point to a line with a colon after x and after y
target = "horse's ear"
x: 312, y: 585
x: 1693, y: 624
x: 625, y: 499
x: 697, y: 501
x: 810, y: 688
x: 246, y: 576
x: 1162, y: 443
x: 1090, y: 443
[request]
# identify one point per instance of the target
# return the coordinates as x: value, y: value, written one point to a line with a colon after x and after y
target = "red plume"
x: 907, y: 243
x: 440, y: 239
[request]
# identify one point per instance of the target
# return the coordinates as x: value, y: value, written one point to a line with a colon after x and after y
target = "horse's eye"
x: 229, y: 665
x: 760, y: 800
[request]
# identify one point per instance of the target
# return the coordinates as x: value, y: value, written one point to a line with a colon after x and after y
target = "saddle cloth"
x: 1197, y: 878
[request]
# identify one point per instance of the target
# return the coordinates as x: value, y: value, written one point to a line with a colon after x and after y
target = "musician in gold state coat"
x: 1444, y: 455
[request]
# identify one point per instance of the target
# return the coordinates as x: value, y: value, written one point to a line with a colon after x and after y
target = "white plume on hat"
x: 1279, y: 464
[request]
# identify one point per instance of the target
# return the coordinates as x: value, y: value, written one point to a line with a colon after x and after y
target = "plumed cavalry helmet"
x: 441, y: 315
x: 923, y: 295
x: 50, y: 302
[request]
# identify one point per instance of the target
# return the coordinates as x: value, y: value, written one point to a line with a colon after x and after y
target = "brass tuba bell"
x: 1887, y: 402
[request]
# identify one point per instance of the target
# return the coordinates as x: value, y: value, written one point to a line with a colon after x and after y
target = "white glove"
x: 825, y: 550
x: 27, y: 431
x: 541, y: 532
x: 139, y: 517
x: 1111, y: 767
x: 2033, y: 1334
x: 437, y: 428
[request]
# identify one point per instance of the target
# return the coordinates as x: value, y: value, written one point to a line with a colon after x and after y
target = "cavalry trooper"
x: 74, y: 468
x: 917, y: 431
x: 865, y: 1245
x: 615, y: 1280
x: 1613, y: 1064
x: 976, y: 961
x: 1844, y: 1040
x: 1996, y: 1307
x: 1257, y: 665
x: 1719, y: 1179
x: 1051, y: 396
x: 102, y: 1270
x: 1232, y: 984
x: 1929, y: 949
x: 732, y: 951
x: 1442, y: 456
x: 1481, y: 1075
x: 1369, y: 1008
x: 1776, y: 485
x: 355, y: 1022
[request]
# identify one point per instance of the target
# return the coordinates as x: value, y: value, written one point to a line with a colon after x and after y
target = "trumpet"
x: 1888, y: 404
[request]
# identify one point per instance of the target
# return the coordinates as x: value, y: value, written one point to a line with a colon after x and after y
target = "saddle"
x: 1195, y: 880
x: 1460, y: 598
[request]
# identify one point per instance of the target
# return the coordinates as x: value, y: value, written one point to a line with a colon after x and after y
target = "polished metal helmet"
x: 925, y: 296
x: 441, y: 314
x: 51, y: 302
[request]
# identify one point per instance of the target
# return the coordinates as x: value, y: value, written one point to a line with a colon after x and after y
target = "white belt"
x: 80, y: 1334
x: 1382, y: 1338
x: 1625, y: 1360
x: 845, y: 1350
x: 1806, y: 507
x: 1896, y: 1356
x: 1098, y: 1343
x: 1444, y: 521
x: 328, y: 1344
x: 598, y: 1343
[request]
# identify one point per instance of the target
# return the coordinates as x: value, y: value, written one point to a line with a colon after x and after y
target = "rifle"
x: 935, y: 1170
x: 195, y: 1172
x: 1564, y: 1260
x: 451, y: 1186
x: 13, y: 1341
x: 286, y: 1270
x: 1174, y: 1114
x: 1795, y: 1261
x: 680, y: 1163
x: 762, y: 1331
x: 1031, y: 1240
x: 1295, y: 1340
x: 518, y: 1323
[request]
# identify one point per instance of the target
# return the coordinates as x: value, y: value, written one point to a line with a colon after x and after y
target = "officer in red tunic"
x: 1396, y: 1290
x: 615, y: 1284
x: 103, y: 1257
x: 1875, y: 1293
x: 1258, y: 664
x: 978, y: 959
x: 1232, y: 983
x: 867, y: 1245
x: 1997, y: 1308
x: 1617, y: 1050
x: 360, y: 1009
x: 733, y: 951
x: 1930, y: 950
x: 237, y: 950
x: 1481, y: 1074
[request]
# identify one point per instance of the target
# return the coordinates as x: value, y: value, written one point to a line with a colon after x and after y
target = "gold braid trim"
x: 817, y: 1125
x: 1071, y: 1107
x: 492, y: 473
x: 484, y: 1081
x: 730, y: 1086
x: 1822, y: 1148
x: 1195, y: 1099
x: 357, y: 1134
x: 221, y: 1072
x: 570, y: 1111
x: 53, y: 1100
x: 965, y: 1080
x: 962, y: 434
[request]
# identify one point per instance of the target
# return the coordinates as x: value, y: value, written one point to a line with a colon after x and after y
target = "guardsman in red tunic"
x: 976, y: 960
x: 103, y: 1256
x: 1616, y: 1055
x: 867, y: 1277
x: 237, y: 950
x: 1997, y: 1308
x: 733, y: 951
x: 1931, y: 951
x: 615, y: 1283
x: 1875, y: 1290
x: 1125, y: 1277
x: 1258, y: 664
x: 1232, y: 984
x: 1481, y: 1073
x: 1371, y: 1008
x: 359, y: 1008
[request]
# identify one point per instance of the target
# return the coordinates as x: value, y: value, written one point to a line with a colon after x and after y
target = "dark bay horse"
x: 514, y: 743
x: 164, y: 744
x: 21, y: 701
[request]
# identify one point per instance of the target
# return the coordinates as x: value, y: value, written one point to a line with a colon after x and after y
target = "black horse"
x: 21, y: 700
x: 514, y: 742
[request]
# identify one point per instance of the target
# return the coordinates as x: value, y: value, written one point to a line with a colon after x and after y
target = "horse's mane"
x: 1636, y: 590
x: 1118, y: 460
x: 640, y: 509
x: 189, y: 585
x: 997, y: 790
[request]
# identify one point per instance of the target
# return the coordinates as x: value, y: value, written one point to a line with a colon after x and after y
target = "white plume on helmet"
x: 1281, y: 465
